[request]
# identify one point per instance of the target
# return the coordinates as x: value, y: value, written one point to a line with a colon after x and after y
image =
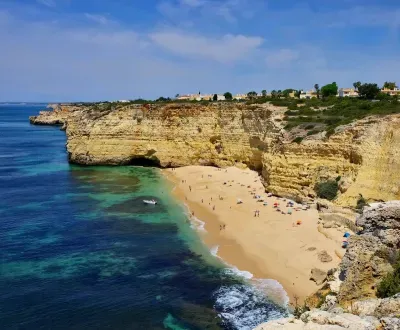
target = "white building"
x: 347, y: 92
x: 220, y: 97
x: 308, y: 95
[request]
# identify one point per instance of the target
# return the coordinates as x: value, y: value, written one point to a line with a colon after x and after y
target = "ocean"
x: 80, y: 250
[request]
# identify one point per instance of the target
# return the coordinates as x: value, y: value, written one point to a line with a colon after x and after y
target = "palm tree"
x: 316, y: 86
x: 357, y: 85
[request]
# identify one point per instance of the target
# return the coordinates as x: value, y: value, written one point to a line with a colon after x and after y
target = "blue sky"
x: 70, y: 50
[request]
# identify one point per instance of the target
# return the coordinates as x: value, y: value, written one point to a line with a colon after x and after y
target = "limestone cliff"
x: 365, y: 154
x: 350, y: 301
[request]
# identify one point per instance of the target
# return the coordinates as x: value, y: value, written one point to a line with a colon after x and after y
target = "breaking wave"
x: 244, y: 307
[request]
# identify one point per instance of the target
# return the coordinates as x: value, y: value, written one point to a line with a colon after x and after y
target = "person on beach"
x: 214, y: 208
x: 193, y: 213
x: 255, y: 213
x: 190, y: 188
x: 202, y: 200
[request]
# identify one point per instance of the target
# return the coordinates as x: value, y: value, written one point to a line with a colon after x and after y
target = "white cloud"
x: 100, y: 19
x: 227, y: 49
x: 281, y: 58
x: 47, y: 3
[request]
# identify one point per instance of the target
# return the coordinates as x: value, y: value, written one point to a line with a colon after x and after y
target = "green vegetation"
x: 332, y: 111
x: 313, y: 132
x: 316, y: 86
x: 298, y: 139
x: 228, y: 96
x: 252, y: 95
x: 361, y: 202
x: 264, y: 93
x: 390, y: 284
x: 368, y: 91
x: 215, y: 97
x: 389, y: 85
x: 329, y: 90
x: 327, y: 189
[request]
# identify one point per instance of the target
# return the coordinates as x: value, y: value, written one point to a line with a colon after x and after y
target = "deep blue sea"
x: 80, y: 250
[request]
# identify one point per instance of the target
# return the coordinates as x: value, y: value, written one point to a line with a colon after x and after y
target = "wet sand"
x: 269, y: 246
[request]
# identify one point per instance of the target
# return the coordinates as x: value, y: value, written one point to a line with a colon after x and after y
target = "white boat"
x: 153, y: 202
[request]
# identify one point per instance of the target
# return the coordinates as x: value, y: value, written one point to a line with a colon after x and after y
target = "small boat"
x: 153, y: 202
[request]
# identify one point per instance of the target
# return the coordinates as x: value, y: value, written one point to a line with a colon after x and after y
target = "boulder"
x: 382, y: 220
x: 390, y: 323
x: 318, y: 276
x: 362, y: 268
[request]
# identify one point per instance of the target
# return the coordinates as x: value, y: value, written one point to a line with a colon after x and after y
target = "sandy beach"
x: 271, y: 245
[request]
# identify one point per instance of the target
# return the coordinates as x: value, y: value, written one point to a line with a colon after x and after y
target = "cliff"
x: 365, y: 154
x: 349, y: 300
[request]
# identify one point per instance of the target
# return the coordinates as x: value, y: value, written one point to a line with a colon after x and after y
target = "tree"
x: 286, y: 92
x: 357, y: 85
x: 389, y: 85
x: 228, y: 96
x: 329, y: 90
x: 264, y: 93
x: 215, y: 97
x: 368, y: 91
x: 279, y: 93
x: 251, y: 94
x: 177, y: 95
x: 316, y: 86
x: 274, y: 93
x: 297, y: 93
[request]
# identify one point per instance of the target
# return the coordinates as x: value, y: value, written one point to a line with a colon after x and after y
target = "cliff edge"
x: 364, y: 155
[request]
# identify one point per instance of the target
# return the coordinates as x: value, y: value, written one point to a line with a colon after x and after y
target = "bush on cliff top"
x: 327, y: 189
x: 390, y: 284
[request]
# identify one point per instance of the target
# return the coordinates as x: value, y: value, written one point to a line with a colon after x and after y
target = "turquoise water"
x: 80, y: 250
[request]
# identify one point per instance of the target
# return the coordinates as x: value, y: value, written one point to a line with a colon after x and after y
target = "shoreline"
x: 265, y: 246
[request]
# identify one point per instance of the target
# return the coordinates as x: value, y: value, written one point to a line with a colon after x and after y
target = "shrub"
x: 390, y: 284
x: 298, y: 139
x: 361, y: 202
x: 310, y: 126
x: 327, y: 189
x: 312, y: 132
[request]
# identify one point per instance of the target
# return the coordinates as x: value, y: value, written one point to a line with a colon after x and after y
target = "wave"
x: 247, y: 305
x: 244, y: 307
x: 214, y: 250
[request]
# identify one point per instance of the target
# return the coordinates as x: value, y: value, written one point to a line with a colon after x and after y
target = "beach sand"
x: 271, y: 245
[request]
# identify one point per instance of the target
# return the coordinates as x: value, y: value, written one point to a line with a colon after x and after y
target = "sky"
x: 92, y: 50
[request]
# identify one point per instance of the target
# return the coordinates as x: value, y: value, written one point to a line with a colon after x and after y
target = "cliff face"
x: 350, y: 303
x: 366, y: 154
x: 172, y: 135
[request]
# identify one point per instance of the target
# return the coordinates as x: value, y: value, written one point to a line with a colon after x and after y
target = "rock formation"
x: 365, y: 154
x: 351, y: 302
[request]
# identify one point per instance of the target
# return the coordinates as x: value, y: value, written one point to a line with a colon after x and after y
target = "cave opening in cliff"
x: 145, y: 162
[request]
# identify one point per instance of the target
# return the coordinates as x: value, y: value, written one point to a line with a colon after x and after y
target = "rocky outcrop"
x: 382, y: 220
x: 365, y: 155
x: 349, y: 300
x: 367, y: 315
x: 371, y: 253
